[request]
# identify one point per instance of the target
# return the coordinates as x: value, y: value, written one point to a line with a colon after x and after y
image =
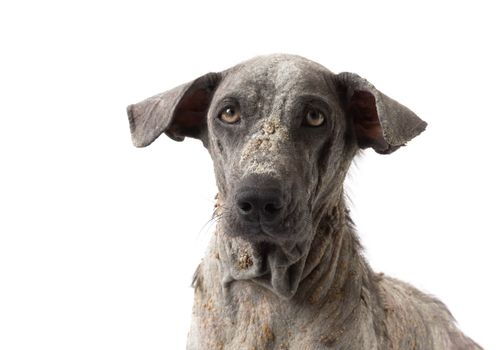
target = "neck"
x: 334, y: 263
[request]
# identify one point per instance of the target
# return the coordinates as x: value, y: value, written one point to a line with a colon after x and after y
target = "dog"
x: 284, y: 268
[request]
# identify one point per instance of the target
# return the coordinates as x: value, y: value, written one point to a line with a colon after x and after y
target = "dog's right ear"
x: 180, y: 112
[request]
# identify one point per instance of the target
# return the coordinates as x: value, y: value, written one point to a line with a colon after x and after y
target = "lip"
x: 250, y: 230
x: 259, y: 231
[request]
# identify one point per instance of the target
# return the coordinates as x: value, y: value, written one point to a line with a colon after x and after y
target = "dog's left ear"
x: 379, y: 121
x: 179, y: 112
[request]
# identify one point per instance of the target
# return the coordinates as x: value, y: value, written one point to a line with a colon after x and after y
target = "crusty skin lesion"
x: 264, y: 144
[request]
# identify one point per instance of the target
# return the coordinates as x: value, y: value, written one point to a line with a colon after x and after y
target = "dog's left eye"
x: 313, y: 118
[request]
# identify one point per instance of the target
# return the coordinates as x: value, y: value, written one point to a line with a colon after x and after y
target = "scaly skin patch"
x: 245, y: 261
x: 261, y: 152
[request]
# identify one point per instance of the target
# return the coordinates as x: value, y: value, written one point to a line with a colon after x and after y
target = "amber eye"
x: 313, y: 118
x: 230, y: 115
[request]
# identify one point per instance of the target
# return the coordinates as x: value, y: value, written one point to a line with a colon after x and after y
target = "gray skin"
x: 284, y: 269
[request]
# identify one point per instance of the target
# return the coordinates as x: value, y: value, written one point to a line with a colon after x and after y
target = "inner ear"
x: 363, y: 111
x: 190, y: 115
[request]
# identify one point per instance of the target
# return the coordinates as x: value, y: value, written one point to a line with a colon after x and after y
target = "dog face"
x: 282, y: 132
x: 271, y: 129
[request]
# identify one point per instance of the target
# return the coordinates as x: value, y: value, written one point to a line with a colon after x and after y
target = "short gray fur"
x: 301, y: 282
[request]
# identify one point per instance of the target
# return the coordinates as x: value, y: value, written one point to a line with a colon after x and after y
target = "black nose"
x: 260, y: 203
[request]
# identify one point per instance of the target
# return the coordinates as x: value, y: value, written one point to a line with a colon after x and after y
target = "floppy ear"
x: 179, y: 112
x: 379, y: 121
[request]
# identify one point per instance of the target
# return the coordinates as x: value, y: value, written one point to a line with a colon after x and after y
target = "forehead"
x: 278, y: 75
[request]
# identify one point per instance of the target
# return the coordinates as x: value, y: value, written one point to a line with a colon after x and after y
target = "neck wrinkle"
x: 334, y: 269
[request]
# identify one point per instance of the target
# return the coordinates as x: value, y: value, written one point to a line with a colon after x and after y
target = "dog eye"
x: 230, y: 115
x: 313, y: 118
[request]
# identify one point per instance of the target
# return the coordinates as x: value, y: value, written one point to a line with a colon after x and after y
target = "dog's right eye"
x: 230, y: 115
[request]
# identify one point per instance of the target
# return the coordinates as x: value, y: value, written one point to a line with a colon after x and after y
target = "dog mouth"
x: 269, y: 254
x: 259, y: 232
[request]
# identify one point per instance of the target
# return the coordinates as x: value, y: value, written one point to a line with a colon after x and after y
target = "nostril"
x: 246, y: 207
x: 272, y: 208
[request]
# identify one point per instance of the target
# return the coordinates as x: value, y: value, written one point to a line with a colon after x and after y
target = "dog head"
x: 282, y: 132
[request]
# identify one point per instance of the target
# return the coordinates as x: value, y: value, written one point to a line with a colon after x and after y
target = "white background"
x: 99, y: 240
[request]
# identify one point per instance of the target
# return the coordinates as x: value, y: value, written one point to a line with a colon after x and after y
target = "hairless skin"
x: 284, y: 269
